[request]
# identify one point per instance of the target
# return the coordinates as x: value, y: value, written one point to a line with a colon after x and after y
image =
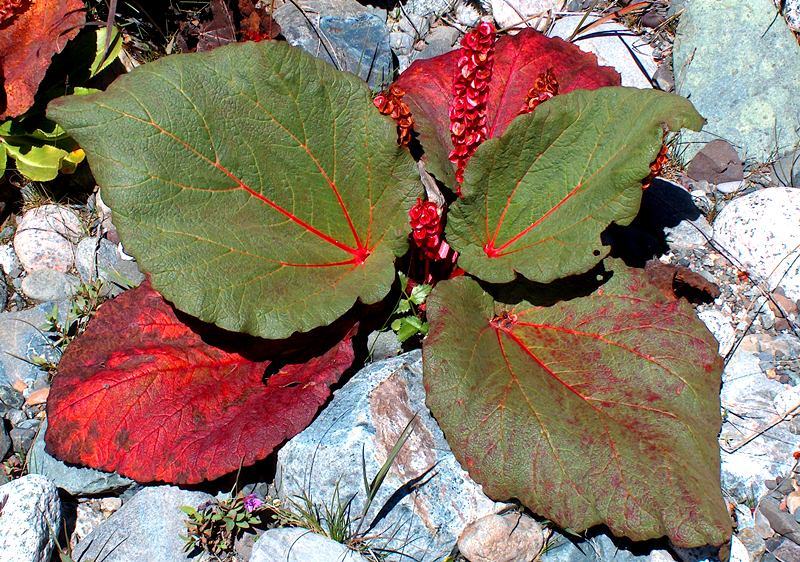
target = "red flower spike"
x: 390, y: 102
x: 544, y: 87
x: 470, y: 90
x: 426, y: 228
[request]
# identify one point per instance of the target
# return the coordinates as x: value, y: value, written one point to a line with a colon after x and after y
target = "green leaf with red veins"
x: 603, y: 409
x: 257, y: 185
x: 536, y: 199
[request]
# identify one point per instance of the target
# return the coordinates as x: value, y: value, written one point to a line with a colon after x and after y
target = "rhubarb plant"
x: 271, y: 200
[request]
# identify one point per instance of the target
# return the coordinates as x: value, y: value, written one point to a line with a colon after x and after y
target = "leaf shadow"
x: 664, y: 205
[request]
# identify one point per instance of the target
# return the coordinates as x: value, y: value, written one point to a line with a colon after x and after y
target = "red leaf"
x: 142, y: 393
x: 28, y: 43
x: 518, y: 61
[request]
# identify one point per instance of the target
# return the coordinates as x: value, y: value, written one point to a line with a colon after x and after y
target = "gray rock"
x: 355, y: 38
x: 509, y: 13
x: 300, y: 545
x: 414, y: 25
x: 3, y: 293
x: 383, y: 345
x: 599, y: 547
x: 9, y: 262
x: 760, y: 231
x: 99, y: 258
x: 45, y: 237
x: 729, y: 187
x: 5, y: 441
x: 781, y: 522
x: 21, y: 338
x: 368, y: 414
x: 147, y: 527
x: 717, y: 162
x: 784, y: 550
x: 786, y: 169
x: 750, y: 401
x: 49, y: 285
x: 512, y: 537
x: 30, y: 519
x: 23, y: 434
x: 402, y: 43
x: 610, y: 49
x: 438, y: 42
x: 741, y: 73
x: 75, y: 480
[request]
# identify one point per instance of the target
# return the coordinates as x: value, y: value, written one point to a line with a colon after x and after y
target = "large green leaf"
x: 537, y: 198
x: 603, y: 409
x: 257, y: 185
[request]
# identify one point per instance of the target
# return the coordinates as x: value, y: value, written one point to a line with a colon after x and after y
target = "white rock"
x: 368, y: 414
x: 750, y: 402
x: 729, y: 187
x: 610, y: 49
x: 511, y: 12
x: 738, y: 551
x: 30, y: 518
x: 300, y: 545
x: 8, y: 261
x: 762, y: 231
x: 49, y: 285
x: 45, y: 237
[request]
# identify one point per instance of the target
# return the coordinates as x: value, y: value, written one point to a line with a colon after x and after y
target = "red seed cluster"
x: 470, y: 92
x: 12, y: 8
x: 544, y: 88
x: 426, y: 228
x: 390, y: 102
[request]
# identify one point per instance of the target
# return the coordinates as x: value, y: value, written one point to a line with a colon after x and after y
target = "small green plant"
x: 409, y: 321
x: 216, y: 525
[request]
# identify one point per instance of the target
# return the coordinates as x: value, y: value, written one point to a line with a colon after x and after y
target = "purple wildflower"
x: 252, y: 502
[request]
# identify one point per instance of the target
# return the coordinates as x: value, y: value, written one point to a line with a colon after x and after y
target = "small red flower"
x: 390, y: 102
x: 426, y: 228
x: 656, y: 166
x: 470, y: 91
x: 544, y: 88
x: 796, y: 455
x: 249, y: 35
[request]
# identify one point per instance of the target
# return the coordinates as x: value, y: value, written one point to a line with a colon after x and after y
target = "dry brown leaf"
x: 28, y: 43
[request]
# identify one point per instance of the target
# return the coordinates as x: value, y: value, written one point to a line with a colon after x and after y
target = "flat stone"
x: 31, y: 516
x: 49, y: 285
x: 611, y: 51
x: 289, y: 544
x: 21, y: 337
x: 3, y: 293
x: 147, y: 527
x: 741, y: 72
x: 761, y: 231
x: 368, y: 414
x: 23, y: 435
x: 45, y: 237
x: 76, y: 480
x: 784, y: 550
x: 428, y: 7
x: 508, y: 13
x: 357, y: 37
x: 717, y: 162
x: 513, y: 537
x: 782, y: 522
